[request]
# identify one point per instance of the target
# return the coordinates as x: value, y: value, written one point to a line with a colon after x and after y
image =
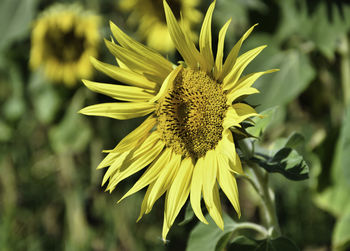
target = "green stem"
x: 249, y: 225
x: 261, y: 180
x: 75, y: 215
x: 344, y: 68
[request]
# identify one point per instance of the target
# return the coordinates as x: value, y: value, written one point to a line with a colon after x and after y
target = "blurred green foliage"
x: 50, y: 194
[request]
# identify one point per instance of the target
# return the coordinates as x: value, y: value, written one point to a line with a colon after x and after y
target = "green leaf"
x: 222, y: 243
x: 320, y: 29
x: 341, y: 238
x: 14, y: 105
x: 73, y: 133
x: 5, y: 132
x: 205, y: 237
x: 284, y: 157
x: 335, y: 198
x: 242, y: 243
x: 15, y: 20
x: 262, y: 123
x: 326, y: 32
x: 296, y: 141
x: 286, y: 161
x: 292, y: 18
x: 278, y: 244
x: 278, y: 88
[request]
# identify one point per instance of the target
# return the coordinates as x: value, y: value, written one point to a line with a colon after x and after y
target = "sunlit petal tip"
x: 122, y: 198
x: 106, y: 151
x: 205, y: 40
x: 109, y: 43
x: 239, y: 213
x: 111, y: 24
x: 81, y: 111
x: 164, y: 234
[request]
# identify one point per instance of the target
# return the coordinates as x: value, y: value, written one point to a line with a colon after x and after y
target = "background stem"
x: 260, y: 181
x: 344, y: 69
x: 250, y: 225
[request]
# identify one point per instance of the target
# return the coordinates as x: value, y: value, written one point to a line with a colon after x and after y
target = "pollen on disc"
x: 191, y: 114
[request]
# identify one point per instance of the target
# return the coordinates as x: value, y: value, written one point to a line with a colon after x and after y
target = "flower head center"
x: 65, y: 45
x: 191, y: 114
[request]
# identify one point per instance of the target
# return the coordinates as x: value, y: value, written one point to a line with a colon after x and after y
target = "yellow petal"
x: 186, y: 47
x: 226, y: 146
x: 138, y: 63
x: 138, y: 159
x: 209, y: 176
x: 231, y: 118
x: 166, y: 225
x: 242, y: 62
x: 196, y: 189
x: 145, y: 202
x: 119, y: 110
x: 232, y: 56
x: 205, y: 43
x: 136, y: 137
x: 177, y: 194
x: 168, y: 82
x: 239, y: 92
x: 164, y: 180
x: 124, y: 75
x: 228, y: 184
x: 129, y: 43
x: 214, y: 207
x: 114, y: 167
x: 220, y: 50
x: 151, y: 173
x: 248, y: 80
x: 237, y: 166
x: 108, y: 160
x: 244, y: 111
x: 121, y: 92
x: 237, y: 113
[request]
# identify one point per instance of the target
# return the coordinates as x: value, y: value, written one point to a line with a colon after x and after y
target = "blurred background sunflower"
x: 64, y: 37
x: 149, y: 16
x: 50, y: 194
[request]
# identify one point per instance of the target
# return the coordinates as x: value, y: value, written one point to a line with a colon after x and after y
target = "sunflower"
x: 186, y: 142
x: 64, y: 37
x: 150, y: 18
